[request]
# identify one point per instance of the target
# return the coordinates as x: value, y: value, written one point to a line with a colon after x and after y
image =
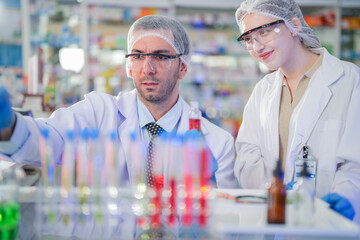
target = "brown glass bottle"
x: 277, y: 197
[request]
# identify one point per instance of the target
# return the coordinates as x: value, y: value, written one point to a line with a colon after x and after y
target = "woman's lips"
x: 265, y: 56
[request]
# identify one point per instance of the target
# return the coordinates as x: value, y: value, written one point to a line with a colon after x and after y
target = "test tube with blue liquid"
x: 96, y: 177
x: 48, y: 176
x: 140, y: 205
x: 47, y: 159
x: 82, y: 170
x: 67, y: 177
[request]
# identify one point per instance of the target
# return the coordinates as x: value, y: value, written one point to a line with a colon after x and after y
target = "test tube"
x: 67, y: 176
x: 189, y: 176
x: 82, y: 171
x: 96, y: 178
x: 205, y: 175
x: 159, y: 161
x: 174, y: 175
x: 47, y: 165
x: 138, y: 157
x: 111, y: 160
x: 82, y: 162
x: 67, y: 169
x: 47, y: 160
x: 140, y: 205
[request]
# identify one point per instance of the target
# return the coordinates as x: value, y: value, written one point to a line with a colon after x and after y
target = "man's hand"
x: 7, y: 117
x: 340, y: 204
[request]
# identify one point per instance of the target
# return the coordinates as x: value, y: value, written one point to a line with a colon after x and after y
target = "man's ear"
x: 182, y: 70
x: 130, y: 73
x: 297, y: 23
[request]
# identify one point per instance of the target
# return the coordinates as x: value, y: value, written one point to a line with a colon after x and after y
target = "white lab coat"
x: 106, y: 112
x: 327, y: 119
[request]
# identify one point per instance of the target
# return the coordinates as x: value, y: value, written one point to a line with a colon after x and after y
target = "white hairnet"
x: 285, y: 10
x: 164, y: 27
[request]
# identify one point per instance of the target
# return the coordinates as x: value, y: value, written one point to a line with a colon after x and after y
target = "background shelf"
x: 221, y: 75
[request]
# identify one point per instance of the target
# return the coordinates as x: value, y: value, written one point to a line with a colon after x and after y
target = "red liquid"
x: 172, y: 202
x: 155, y: 218
x: 187, y: 218
x: 204, y: 186
x: 159, y: 181
x: 194, y: 124
x: 203, y: 213
x: 205, y: 174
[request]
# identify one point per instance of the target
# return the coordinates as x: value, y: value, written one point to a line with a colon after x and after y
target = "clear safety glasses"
x: 155, y: 60
x: 261, y: 34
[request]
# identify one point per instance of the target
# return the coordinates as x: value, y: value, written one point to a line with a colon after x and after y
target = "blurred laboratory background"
x: 52, y: 52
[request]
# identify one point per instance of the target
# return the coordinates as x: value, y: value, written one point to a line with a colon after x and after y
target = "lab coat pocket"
x: 324, y: 143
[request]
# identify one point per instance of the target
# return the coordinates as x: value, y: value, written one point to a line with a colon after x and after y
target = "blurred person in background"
x: 310, y: 98
x: 159, y: 52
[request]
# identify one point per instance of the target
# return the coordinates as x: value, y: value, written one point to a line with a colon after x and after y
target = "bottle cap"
x: 94, y: 133
x: 70, y: 134
x: 85, y: 134
x: 45, y: 132
x: 194, y: 104
x: 113, y: 135
x: 133, y: 136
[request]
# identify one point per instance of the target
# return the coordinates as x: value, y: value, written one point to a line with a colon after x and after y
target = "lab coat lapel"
x: 310, y: 108
x: 128, y: 109
x: 271, y: 109
x: 184, y: 119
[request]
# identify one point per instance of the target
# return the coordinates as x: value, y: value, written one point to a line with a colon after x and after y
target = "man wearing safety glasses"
x: 310, y: 100
x: 159, y: 52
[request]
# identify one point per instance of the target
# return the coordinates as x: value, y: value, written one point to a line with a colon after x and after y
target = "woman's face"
x: 274, y: 53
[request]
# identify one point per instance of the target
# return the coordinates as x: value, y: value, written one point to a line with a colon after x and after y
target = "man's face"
x: 156, y: 84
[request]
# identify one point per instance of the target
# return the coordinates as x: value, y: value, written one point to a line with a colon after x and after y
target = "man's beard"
x: 166, y: 89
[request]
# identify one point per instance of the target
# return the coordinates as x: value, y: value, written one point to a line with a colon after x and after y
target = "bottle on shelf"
x: 194, y: 116
x: 276, y: 202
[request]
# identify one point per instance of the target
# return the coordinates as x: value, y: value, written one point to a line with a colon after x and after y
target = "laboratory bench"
x: 249, y: 220
x: 229, y: 218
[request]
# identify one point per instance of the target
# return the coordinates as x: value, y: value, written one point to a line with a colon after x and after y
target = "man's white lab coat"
x: 108, y: 113
x: 327, y: 120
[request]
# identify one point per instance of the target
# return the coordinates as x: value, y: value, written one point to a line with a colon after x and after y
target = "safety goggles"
x: 261, y: 34
x: 155, y: 60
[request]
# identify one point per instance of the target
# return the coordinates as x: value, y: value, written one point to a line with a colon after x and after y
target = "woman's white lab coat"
x: 327, y: 119
x: 108, y: 113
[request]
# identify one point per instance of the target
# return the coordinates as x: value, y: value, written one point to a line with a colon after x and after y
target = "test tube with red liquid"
x: 205, y: 175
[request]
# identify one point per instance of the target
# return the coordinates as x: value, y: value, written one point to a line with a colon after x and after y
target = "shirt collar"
x: 311, y: 71
x: 167, y: 122
x: 315, y: 67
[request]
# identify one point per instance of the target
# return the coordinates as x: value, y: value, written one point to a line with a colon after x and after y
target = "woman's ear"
x: 297, y: 24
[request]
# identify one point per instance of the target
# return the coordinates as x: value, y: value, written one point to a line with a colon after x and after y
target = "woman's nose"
x: 257, y: 46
